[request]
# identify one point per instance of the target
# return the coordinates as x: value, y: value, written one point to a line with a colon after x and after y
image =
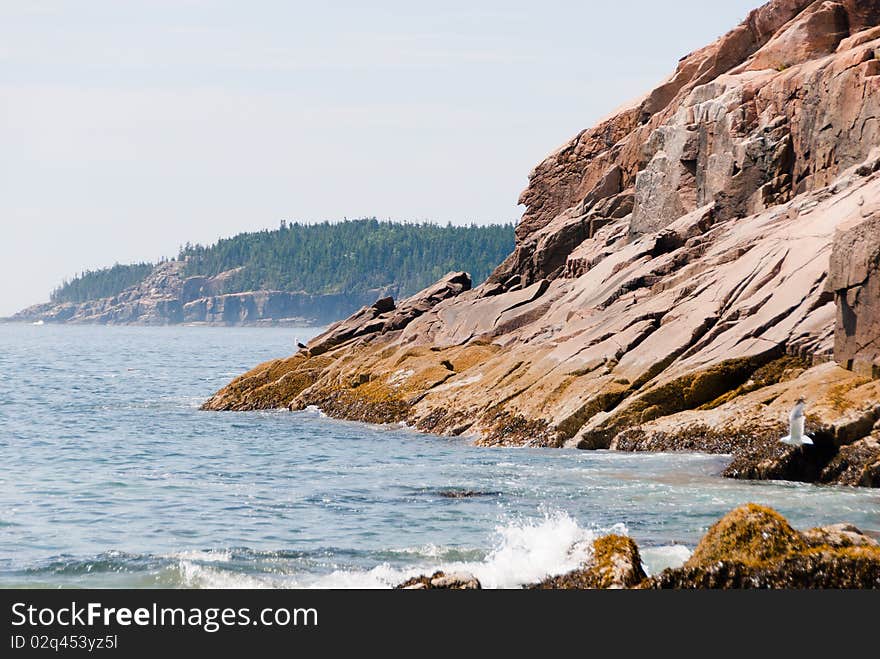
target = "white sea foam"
x: 314, y: 409
x: 533, y: 550
x: 209, y: 556
x: 657, y: 559
x: 381, y: 576
x: 526, y: 551
x: 195, y: 575
x: 431, y: 550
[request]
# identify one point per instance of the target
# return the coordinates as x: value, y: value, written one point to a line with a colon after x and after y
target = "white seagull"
x: 796, y: 436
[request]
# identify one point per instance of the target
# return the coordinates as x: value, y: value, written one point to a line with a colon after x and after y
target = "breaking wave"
x: 523, y: 551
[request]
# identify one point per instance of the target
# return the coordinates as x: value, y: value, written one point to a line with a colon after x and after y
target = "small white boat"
x: 39, y: 322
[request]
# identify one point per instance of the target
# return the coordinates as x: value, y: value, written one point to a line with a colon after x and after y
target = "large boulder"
x: 749, y: 534
x: 856, y: 464
x: 755, y: 547
x: 851, y: 568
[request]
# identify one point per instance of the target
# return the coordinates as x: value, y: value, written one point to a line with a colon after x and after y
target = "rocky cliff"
x: 167, y: 297
x: 684, y: 271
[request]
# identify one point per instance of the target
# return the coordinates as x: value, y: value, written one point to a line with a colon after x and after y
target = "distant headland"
x: 298, y: 274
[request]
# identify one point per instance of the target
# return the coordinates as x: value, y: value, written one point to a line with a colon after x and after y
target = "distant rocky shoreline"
x: 750, y: 547
x: 168, y: 297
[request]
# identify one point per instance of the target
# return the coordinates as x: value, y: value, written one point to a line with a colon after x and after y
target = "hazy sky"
x: 129, y: 128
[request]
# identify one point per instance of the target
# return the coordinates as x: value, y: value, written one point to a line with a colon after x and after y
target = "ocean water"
x: 110, y: 476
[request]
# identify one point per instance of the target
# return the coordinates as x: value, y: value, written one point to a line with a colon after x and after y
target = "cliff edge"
x: 684, y: 271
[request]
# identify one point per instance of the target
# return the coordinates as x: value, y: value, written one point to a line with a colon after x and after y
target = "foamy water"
x: 525, y: 552
x: 113, y: 478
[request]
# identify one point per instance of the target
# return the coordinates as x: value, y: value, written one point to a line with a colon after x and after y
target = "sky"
x: 130, y: 128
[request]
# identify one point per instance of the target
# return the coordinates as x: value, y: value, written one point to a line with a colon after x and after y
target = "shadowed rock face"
x: 855, y: 279
x: 670, y: 286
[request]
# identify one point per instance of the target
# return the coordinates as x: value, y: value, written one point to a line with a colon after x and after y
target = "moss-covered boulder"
x: 749, y: 534
x: 755, y: 547
x: 815, y: 568
x: 615, y: 563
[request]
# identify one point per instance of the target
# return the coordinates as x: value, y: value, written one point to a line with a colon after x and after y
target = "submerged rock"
x: 615, y: 563
x: 465, y: 494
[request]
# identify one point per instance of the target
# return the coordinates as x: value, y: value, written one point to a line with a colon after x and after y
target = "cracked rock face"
x: 669, y: 262
x: 855, y: 278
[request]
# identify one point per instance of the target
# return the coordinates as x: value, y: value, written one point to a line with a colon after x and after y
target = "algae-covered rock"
x: 842, y: 408
x: 615, y: 563
x: 755, y: 547
x: 749, y: 534
x: 849, y: 568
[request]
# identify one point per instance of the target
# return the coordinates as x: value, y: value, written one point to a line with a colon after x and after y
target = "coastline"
x: 684, y: 272
x: 283, y: 499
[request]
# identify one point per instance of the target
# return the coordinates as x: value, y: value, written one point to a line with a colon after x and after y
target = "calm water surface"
x: 110, y: 476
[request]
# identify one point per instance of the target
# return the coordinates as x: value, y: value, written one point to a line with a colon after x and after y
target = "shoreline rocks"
x: 441, y: 581
x: 684, y: 271
x: 755, y: 547
x: 750, y: 547
x: 614, y: 564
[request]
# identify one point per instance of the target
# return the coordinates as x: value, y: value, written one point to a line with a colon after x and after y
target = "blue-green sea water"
x: 110, y: 476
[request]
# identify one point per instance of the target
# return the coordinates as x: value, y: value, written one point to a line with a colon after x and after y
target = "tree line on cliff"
x: 97, y: 284
x: 328, y: 257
